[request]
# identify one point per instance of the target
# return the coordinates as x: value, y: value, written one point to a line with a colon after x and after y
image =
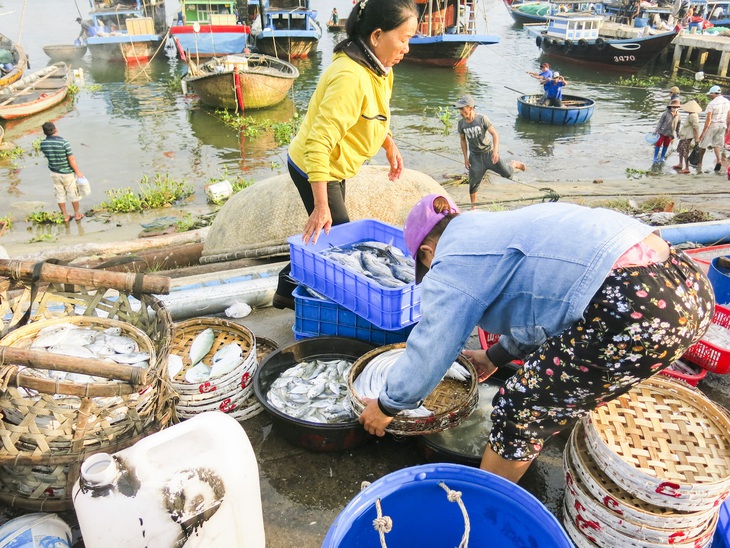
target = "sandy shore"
x: 709, y: 192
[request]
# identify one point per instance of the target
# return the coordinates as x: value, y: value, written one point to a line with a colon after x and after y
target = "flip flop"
x: 683, y: 171
x: 78, y: 217
x: 677, y: 167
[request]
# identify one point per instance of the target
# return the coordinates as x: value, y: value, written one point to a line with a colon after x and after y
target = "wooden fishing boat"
x: 246, y: 81
x: 593, y: 40
x: 13, y: 54
x: 289, y: 29
x: 575, y: 110
x: 65, y: 52
x: 528, y: 12
x: 205, y: 30
x: 339, y: 26
x: 35, y: 92
x: 446, y: 34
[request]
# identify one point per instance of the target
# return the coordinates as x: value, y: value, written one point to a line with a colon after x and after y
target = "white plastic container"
x: 195, y: 484
x: 217, y: 192
x: 35, y: 531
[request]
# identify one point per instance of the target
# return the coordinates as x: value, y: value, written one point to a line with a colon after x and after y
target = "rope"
x: 382, y: 524
x: 455, y: 496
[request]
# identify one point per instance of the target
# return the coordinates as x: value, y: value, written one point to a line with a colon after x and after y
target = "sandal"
x: 684, y: 171
x: 677, y: 167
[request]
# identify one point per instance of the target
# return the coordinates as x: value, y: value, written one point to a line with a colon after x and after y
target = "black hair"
x: 370, y: 15
x: 49, y: 128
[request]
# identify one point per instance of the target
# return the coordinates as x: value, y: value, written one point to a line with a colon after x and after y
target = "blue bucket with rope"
x: 445, y: 505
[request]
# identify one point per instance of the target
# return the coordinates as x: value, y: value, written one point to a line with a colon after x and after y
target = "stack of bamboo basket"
x: 50, y: 426
x: 649, y: 469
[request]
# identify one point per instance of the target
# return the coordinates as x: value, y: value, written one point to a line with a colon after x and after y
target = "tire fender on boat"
x: 538, y: 41
x: 547, y: 43
x: 568, y: 45
x: 582, y: 43
x: 600, y: 43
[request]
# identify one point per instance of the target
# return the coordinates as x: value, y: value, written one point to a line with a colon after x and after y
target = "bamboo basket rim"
x: 140, y: 337
x: 454, y: 400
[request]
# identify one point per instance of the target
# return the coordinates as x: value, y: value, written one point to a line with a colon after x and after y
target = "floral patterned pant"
x: 640, y: 321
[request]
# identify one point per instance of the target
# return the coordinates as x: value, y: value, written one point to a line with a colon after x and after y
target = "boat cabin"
x: 574, y: 27
x: 446, y: 17
x: 127, y: 17
x: 207, y: 12
x: 283, y: 15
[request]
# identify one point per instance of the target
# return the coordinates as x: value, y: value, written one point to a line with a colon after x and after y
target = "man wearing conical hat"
x: 688, y: 130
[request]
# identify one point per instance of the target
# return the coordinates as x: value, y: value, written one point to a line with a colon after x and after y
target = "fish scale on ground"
x: 314, y: 391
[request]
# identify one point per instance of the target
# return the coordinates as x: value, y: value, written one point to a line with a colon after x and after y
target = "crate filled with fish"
x: 363, y: 266
x: 712, y: 352
x: 450, y: 403
x: 316, y: 315
x: 304, y: 387
x: 211, y: 366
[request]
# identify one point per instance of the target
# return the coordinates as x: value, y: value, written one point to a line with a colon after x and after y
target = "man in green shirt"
x: 64, y: 170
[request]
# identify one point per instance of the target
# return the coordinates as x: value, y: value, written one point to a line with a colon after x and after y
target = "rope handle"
x: 383, y: 524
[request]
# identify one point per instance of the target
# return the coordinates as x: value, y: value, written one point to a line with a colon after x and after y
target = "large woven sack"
x: 257, y: 221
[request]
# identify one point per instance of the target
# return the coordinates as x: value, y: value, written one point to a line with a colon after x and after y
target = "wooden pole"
x: 39, y: 359
x: 50, y: 273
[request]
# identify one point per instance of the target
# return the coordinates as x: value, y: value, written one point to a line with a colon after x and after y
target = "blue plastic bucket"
x: 695, y: 25
x: 720, y: 279
x: 722, y: 533
x: 641, y: 22
x: 501, y: 513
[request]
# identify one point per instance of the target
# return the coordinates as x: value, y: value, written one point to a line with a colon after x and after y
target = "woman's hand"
x: 320, y: 219
x: 484, y: 366
x: 394, y: 158
x: 372, y: 418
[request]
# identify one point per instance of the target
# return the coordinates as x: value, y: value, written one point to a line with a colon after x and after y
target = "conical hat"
x: 691, y: 106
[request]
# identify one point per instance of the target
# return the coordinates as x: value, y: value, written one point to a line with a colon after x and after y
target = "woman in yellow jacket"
x: 348, y: 119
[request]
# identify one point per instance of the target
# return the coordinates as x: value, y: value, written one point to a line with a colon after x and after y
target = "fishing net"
x: 257, y: 221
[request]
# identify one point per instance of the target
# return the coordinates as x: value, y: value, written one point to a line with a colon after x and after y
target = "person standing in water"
x: 64, y: 170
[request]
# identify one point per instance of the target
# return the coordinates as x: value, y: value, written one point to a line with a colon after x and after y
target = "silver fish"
x: 130, y: 358
x: 51, y: 335
x: 71, y: 350
x: 226, y: 359
x: 201, y: 345
x: 121, y: 344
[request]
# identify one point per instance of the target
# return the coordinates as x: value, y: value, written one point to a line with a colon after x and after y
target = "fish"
x: 51, y: 335
x: 385, y: 264
x: 226, y: 359
x: 131, y: 357
x: 200, y: 372
x: 201, y: 345
x: 121, y: 344
x: 174, y: 365
x: 72, y: 350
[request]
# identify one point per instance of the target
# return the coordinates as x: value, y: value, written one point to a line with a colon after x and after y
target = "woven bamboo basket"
x: 664, y: 443
x: 627, y: 507
x: 451, y: 401
x: 251, y: 406
x: 612, y: 523
x: 63, y: 423
x: 226, y: 393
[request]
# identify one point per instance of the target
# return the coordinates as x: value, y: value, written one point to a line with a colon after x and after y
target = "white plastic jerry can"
x: 195, y: 484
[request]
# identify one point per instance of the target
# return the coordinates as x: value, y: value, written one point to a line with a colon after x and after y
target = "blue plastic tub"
x: 722, y: 533
x: 501, y: 513
x: 720, y: 279
x: 386, y: 308
x: 314, y: 317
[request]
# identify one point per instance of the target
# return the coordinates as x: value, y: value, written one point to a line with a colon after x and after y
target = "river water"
x: 130, y: 122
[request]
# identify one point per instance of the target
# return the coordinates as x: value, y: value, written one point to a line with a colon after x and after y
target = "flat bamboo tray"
x: 451, y: 401
x: 664, y: 443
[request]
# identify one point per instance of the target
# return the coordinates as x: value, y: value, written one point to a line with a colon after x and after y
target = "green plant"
x: 12, y: 153
x: 636, y: 173
x: 44, y: 217
x: 444, y: 115
x: 94, y: 87
x: 42, y: 238
x: 240, y: 183
x: 6, y: 223
x: 163, y: 191
x: 36, y: 145
x: 73, y: 90
x: 122, y: 200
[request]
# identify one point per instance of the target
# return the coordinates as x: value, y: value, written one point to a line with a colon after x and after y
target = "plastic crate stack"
x: 355, y: 306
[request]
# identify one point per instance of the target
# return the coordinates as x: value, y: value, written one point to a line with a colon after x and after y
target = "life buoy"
x: 600, y: 43
x: 538, y: 41
x: 568, y: 45
x: 582, y: 43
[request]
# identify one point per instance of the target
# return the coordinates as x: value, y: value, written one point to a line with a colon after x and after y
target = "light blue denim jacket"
x: 526, y: 274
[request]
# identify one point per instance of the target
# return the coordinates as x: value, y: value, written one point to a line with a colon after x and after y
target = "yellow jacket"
x: 346, y: 123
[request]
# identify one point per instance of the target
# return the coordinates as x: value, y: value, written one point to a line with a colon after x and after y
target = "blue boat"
x: 575, y: 110
x: 290, y: 29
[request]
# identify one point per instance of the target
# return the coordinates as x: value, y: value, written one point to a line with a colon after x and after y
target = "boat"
x: 65, y: 52
x: 11, y: 53
x: 528, y: 12
x: 591, y: 39
x: 446, y: 34
x: 339, y: 27
x: 575, y: 110
x: 244, y: 81
x: 284, y: 28
x: 206, y: 29
x: 125, y: 32
x: 35, y: 92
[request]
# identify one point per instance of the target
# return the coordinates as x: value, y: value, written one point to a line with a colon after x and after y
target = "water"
x: 130, y: 122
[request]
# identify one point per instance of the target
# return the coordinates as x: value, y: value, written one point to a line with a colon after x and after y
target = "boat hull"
x: 63, y: 52
x: 448, y: 50
x: 211, y: 41
x: 629, y: 54
x: 576, y: 110
x: 521, y: 17
x: 286, y: 47
x: 20, y: 61
x: 123, y: 48
x: 264, y: 81
x: 35, y: 92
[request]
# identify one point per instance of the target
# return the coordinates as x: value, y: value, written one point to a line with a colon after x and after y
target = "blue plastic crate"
x: 385, y: 307
x: 314, y: 317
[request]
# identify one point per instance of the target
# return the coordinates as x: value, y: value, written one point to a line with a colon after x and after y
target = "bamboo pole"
x: 50, y: 273
x: 39, y: 359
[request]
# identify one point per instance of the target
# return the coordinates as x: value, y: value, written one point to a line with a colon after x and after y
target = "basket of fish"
x: 365, y: 267
x: 450, y: 403
x: 211, y: 366
x: 303, y: 387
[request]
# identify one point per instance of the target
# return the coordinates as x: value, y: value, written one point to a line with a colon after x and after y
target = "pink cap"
x: 419, y: 223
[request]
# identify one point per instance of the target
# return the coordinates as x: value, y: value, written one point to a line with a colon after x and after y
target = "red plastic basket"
x: 707, y: 355
x: 692, y: 380
x: 487, y: 339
